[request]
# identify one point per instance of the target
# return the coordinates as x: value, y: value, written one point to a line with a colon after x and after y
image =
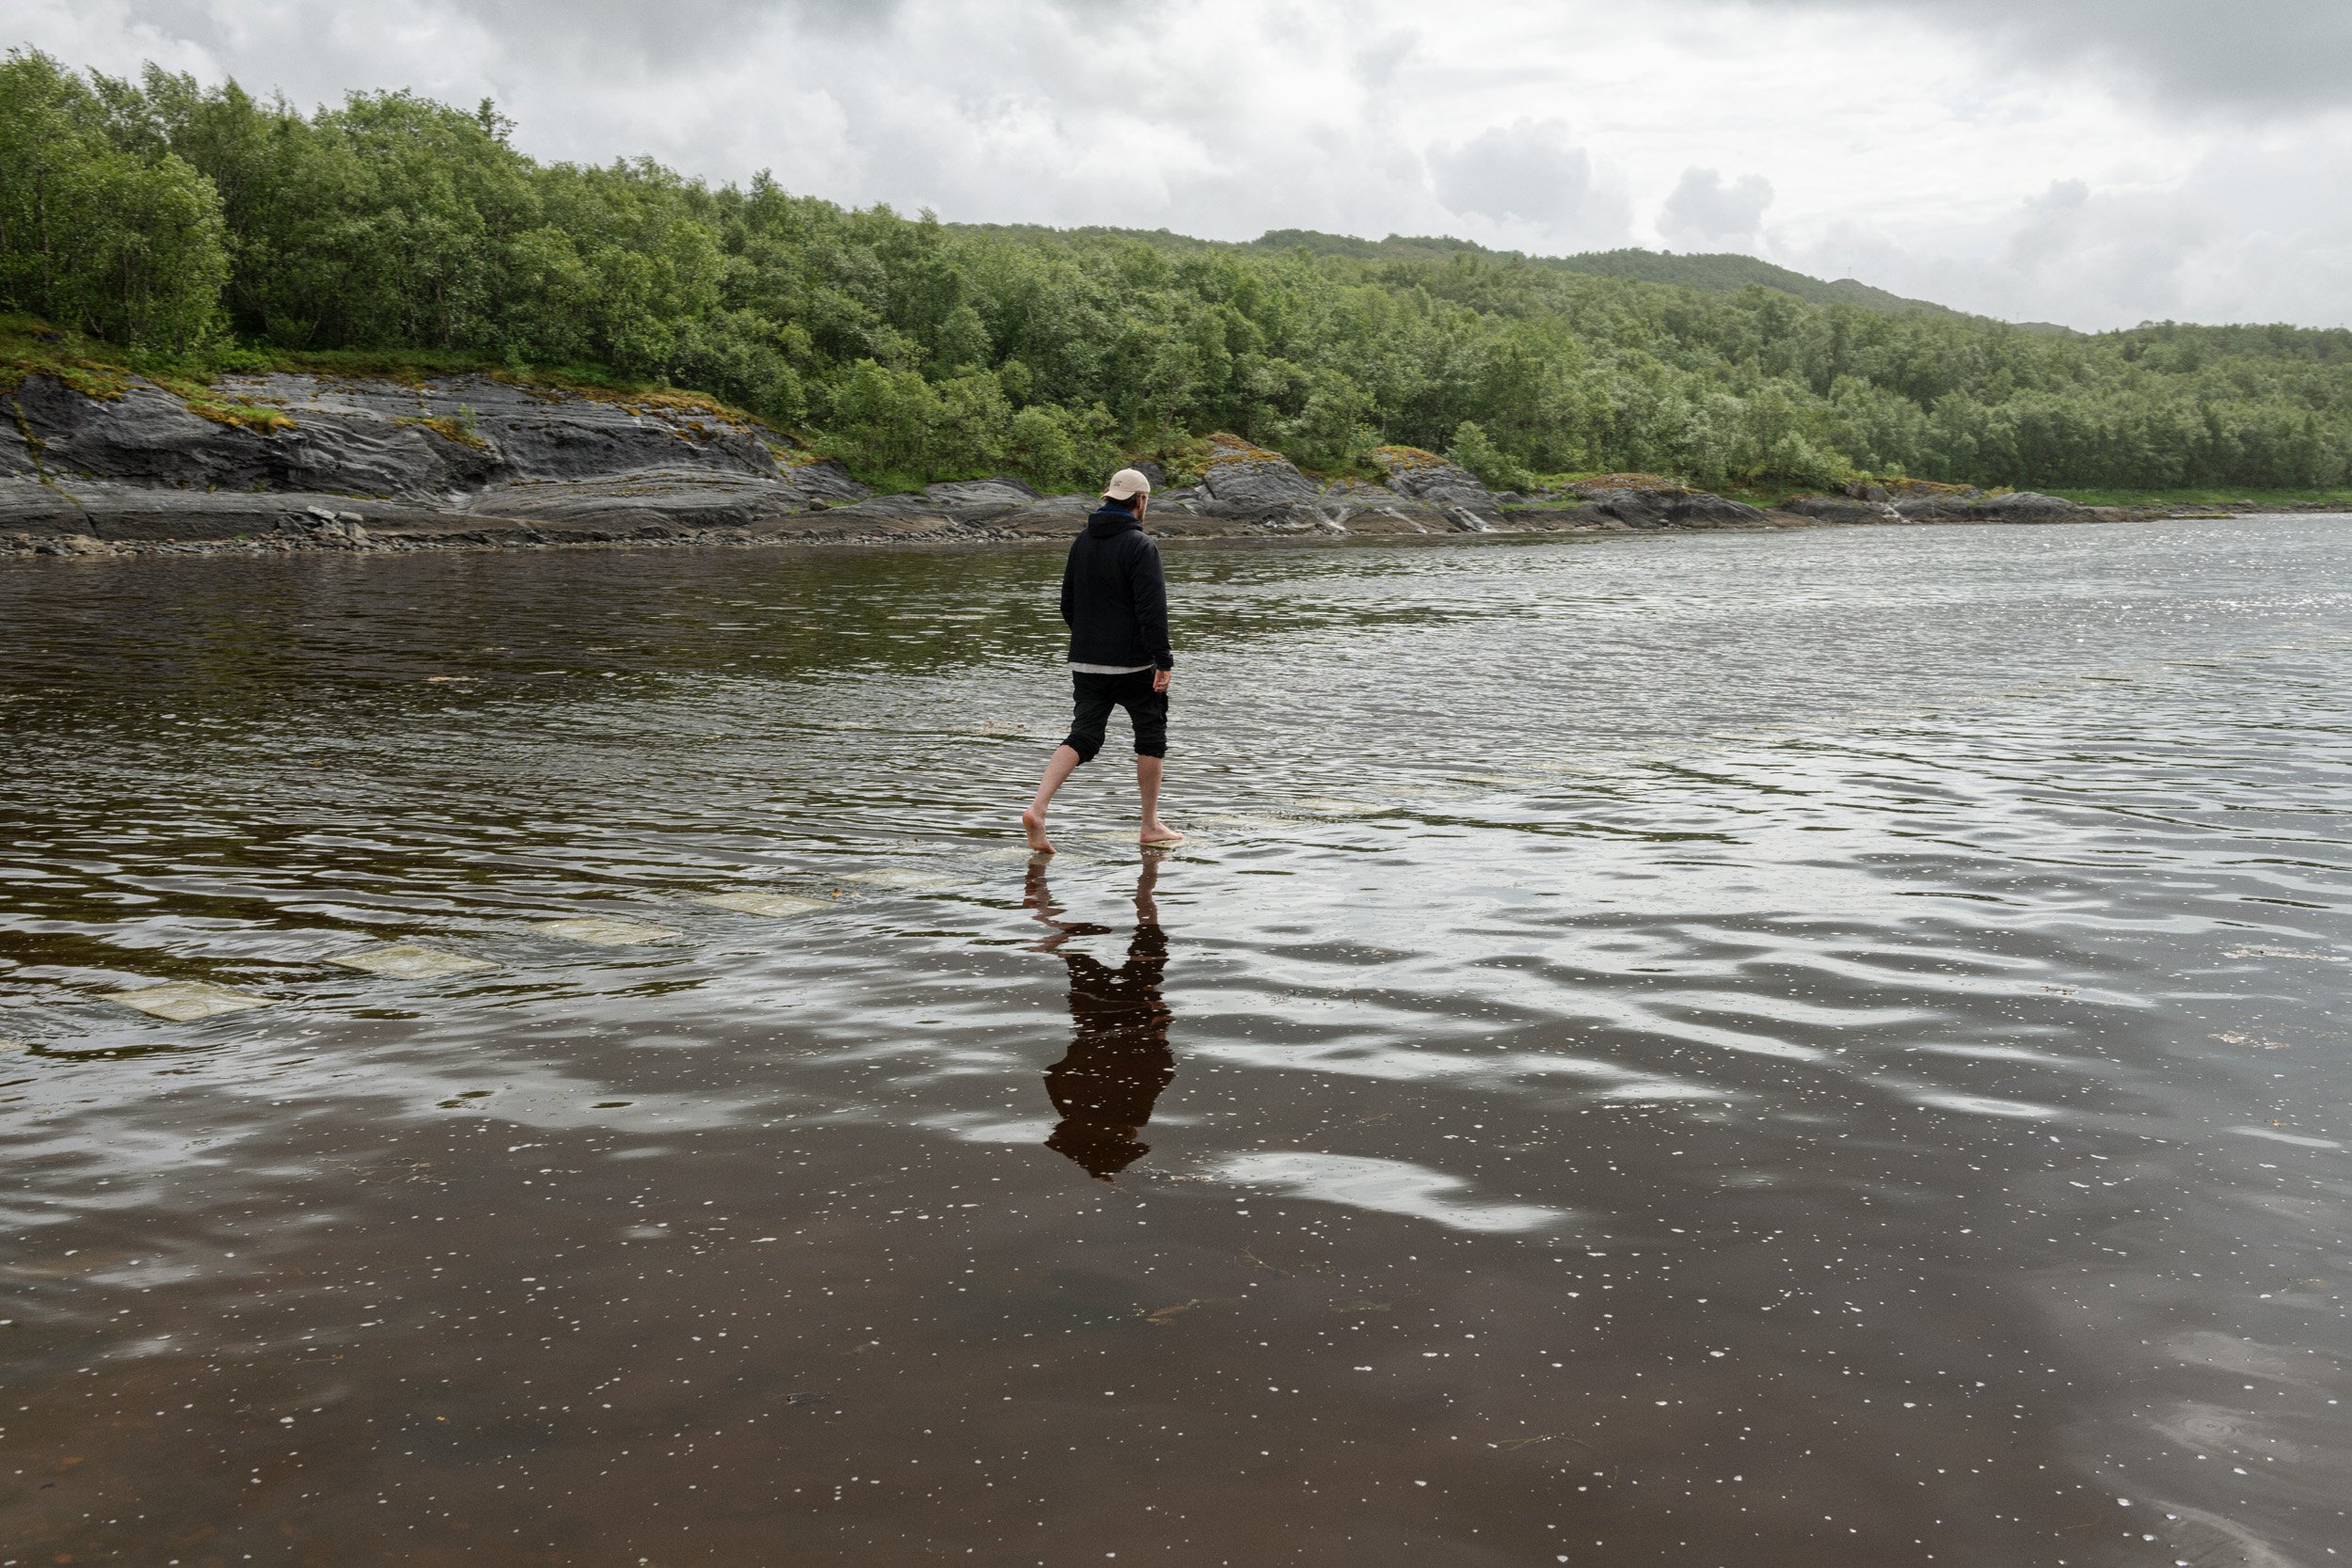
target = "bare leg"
x: 1058, y: 767
x: 1148, y: 771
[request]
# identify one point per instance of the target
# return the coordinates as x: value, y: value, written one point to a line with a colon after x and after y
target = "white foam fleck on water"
x: 986, y: 1130
x: 1985, y: 1105
x: 1384, y: 1186
x: 1497, y: 1071
x: 2277, y: 1138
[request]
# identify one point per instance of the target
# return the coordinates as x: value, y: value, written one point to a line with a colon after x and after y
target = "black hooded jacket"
x: 1114, y: 596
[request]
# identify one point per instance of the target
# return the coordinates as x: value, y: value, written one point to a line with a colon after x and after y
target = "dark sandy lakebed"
x: 1741, y: 1049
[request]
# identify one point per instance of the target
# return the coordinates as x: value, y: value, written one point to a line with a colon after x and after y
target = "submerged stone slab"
x: 1330, y: 806
x: 603, y: 932
x: 775, y: 905
x: 1232, y: 826
x: 186, y: 1000
x: 406, y: 960
x: 1134, y: 840
x: 900, y: 877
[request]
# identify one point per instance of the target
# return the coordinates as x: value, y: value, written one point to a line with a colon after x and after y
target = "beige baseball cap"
x: 1127, y: 482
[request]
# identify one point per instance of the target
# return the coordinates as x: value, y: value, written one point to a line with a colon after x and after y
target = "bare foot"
x: 1033, y: 828
x: 1161, y: 835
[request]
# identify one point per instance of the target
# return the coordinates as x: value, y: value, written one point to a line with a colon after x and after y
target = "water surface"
x: 1752, y: 1050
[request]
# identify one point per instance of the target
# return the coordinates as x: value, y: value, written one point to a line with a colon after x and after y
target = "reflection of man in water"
x: 1106, y: 1085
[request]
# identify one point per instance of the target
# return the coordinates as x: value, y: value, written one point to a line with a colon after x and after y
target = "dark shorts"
x: 1147, y: 710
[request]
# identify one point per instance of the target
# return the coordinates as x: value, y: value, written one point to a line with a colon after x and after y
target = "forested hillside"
x: 200, y: 228
x: 1718, y: 273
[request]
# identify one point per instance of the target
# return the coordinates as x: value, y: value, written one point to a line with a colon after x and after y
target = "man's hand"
x: 1160, y: 679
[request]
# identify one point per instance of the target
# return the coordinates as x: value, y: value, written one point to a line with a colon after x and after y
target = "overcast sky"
x: 2093, y: 162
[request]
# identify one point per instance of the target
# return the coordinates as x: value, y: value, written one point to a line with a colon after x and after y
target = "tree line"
x: 201, y: 226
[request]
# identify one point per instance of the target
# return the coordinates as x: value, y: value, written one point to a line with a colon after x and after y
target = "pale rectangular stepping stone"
x: 406, y: 960
x: 1328, y: 807
x: 776, y: 905
x: 603, y: 932
x: 1135, y: 839
x: 895, y: 877
x: 1229, y: 822
x: 186, y: 1000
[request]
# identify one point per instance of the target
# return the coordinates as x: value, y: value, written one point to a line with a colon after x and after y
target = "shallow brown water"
x: 1747, y: 1051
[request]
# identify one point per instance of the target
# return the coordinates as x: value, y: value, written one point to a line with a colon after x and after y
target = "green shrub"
x: 1495, y: 469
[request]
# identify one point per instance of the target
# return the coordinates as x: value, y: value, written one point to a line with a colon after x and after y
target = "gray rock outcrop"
x: 1425, y: 477
x: 1843, y: 509
x: 1249, y: 484
x: 16, y: 457
x: 1935, y: 509
x: 2022, y: 506
x: 824, y: 480
x: 1352, y: 506
x: 1658, y: 506
x: 1943, y: 504
x: 260, y: 449
x: 283, y: 461
x: 145, y: 435
x: 1634, y: 507
x: 1698, y: 509
x: 1003, y: 493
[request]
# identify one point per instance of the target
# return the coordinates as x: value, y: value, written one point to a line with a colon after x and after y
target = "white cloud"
x: 1704, y: 211
x: 2000, y: 155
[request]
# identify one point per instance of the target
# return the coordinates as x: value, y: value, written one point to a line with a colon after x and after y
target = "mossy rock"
x: 1224, y: 447
x: 1401, y: 460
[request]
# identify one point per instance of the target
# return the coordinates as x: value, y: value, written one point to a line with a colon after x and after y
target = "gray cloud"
x: 1703, y: 209
x: 2271, y: 57
x: 1530, y: 171
x: 2089, y: 256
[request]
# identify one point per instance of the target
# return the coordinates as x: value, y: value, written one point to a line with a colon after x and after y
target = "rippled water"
x: 1752, y: 1050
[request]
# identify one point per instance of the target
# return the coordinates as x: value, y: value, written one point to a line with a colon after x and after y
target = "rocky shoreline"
x: 278, y: 463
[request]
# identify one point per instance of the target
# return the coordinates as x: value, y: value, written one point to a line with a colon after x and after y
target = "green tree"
x: 126, y: 244
x: 1494, y: 467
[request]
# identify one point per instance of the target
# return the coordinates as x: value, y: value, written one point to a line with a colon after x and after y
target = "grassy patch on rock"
x: 259, y: 417
x: 31, y: 346
x: 1620, y: 482
x: 458, y: 428
x: 1398, y: 460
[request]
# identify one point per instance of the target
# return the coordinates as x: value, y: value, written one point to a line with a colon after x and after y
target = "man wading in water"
x: 1116, y: 602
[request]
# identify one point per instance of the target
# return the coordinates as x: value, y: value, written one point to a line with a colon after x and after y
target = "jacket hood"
x: 1110, y: 520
